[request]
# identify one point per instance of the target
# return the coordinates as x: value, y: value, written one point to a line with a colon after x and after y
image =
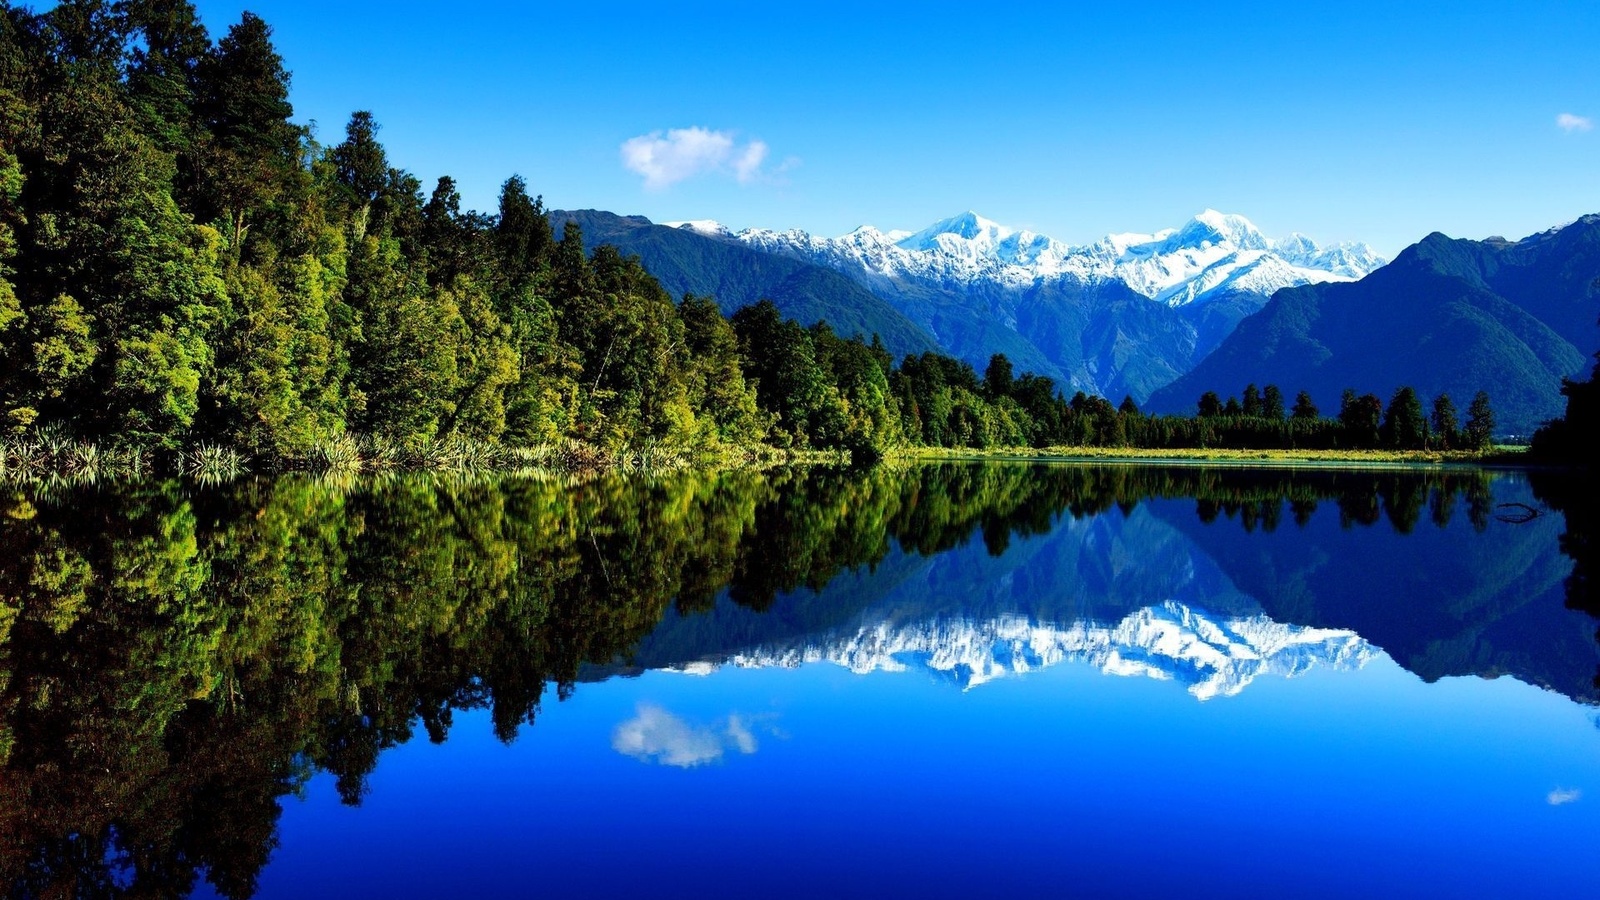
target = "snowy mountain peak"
x: 969, y: 226
x: 1213, y: 252
x: 1212, y: 656
x: 708, y: 227
x: 1212, y: 227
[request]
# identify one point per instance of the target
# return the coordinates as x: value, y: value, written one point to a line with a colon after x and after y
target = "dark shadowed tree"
x: 1252, y: 400
x: 1404, y: 426
x: 1478, y: 433
x: 1444, y: 424
x: 1272, y: 403
x: 1361, y: 417
x: 997, y: 378
x: 1304, y: 409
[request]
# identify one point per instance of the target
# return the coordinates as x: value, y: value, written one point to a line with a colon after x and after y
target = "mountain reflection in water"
x: 175, y: 661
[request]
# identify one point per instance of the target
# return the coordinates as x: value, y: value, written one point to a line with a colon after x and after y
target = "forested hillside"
x: 736, y: 276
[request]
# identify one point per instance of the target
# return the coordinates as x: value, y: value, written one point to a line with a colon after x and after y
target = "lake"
x: 930, y: 680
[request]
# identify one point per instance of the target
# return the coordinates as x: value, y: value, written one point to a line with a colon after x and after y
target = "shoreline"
x: 1275, y: 459
x: 71, y: 462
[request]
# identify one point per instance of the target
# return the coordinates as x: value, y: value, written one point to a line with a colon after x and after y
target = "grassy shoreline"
x: 1499, y: 456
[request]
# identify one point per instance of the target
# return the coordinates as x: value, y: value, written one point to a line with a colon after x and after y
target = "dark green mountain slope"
x: 1456, y: 316
x: 736, y: 276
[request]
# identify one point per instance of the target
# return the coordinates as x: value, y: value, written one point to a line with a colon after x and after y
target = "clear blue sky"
x: 1376, y: 122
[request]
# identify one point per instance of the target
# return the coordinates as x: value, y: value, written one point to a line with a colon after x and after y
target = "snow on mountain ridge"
x: 968, y: 226
x: 1182, y: 265
x: 1170, y: 642
x: 707, y: 227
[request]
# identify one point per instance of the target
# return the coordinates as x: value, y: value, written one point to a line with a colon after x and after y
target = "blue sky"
x: 1344, y: 121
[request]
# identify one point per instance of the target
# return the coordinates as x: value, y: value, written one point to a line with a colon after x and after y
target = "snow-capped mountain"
x: 1211, y: 254
x: 1213, y: 656
x: 1127, y: 314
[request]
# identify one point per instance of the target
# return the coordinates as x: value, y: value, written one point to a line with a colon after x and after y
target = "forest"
x: 182, y: 265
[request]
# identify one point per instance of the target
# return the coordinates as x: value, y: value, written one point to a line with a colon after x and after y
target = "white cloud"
x: 748, y: 166
x: 1562, y: 796
x: 665, y: 158
x: 740, y: 735
x: 655, y: 735
x: 1571, y: 123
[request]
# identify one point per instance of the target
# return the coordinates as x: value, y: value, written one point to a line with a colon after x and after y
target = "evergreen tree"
x: 405, y: 367
x: 360, y: 166
x: 1478, y: 433
x: 1404, y: 426
x: 1272, y: 403
x: 249, y: 169
x: 168, y: 48
x: 1444, y: 424
x: 997, y: 378
x: 522, y: 234
x: 486, y: 362
x: 1210, y: 405
x: 1252, y: 401
x: 448, y: 235
x: 1304, y: 409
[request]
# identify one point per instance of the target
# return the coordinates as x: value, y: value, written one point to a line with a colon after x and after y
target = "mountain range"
x: 1212, y: 656
x: 1125, y: 315
x: 1212, y: 304
x: 1447, y: 316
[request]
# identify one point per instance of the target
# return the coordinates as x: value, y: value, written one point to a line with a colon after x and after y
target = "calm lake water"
x: 936, y: 681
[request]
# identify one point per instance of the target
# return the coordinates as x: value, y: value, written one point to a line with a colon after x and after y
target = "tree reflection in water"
x: 173, y: 661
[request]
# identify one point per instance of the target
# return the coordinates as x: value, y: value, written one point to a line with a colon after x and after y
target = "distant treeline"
x: 1363, y: 422
x: 181, y: 264
x: 946, y: 405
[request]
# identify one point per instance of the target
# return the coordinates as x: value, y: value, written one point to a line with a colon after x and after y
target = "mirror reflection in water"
x: 201, y: 689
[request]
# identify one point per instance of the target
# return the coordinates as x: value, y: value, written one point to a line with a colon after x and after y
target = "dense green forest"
x: 181, y: 264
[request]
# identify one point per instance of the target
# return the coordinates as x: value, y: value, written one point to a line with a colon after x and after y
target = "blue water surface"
x: 785, y: 763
